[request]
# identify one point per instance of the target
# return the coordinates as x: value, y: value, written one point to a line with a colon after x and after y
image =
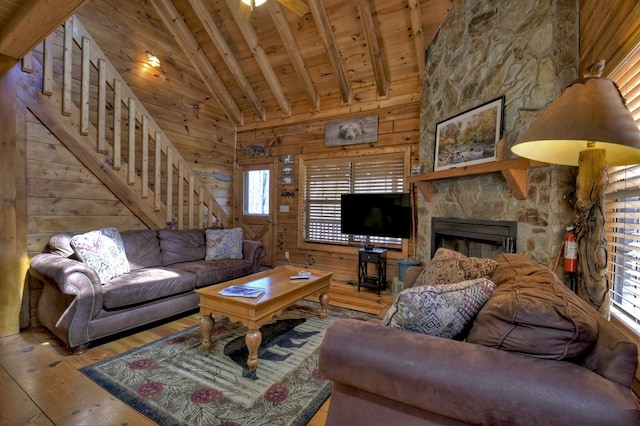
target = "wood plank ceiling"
x: 275, y: 66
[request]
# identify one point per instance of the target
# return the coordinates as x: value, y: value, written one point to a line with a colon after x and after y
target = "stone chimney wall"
x: 526, y: 51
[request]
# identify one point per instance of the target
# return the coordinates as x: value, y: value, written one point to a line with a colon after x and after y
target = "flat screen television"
x: 376, y: 214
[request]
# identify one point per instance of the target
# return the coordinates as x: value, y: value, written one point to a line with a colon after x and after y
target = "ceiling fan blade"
x: 299, y: 7
x: 244, y: 12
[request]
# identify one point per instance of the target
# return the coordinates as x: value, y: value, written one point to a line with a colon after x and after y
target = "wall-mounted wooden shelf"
x: 514, y: 171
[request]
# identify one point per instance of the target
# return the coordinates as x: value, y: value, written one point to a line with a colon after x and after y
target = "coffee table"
x: 280, y: 292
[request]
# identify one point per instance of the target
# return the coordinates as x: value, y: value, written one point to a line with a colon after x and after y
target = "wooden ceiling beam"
x: 418, y: 35
x: 225, y: 51
x: 183, y: 36
x: 261, y: 58
x: 282, y: 25
x: 33, y: 22
x: 298, y: 7
x: 324, y: 28
x: 382, y: 82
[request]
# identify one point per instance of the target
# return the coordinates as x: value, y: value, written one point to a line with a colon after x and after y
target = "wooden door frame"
x: 238, y: 195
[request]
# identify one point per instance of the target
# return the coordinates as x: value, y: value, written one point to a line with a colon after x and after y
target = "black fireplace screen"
x: 474, y: 237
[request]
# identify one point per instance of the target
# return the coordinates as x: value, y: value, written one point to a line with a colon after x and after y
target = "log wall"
x: 609, y: 30
x: 63, y: 196
x: 398, y: 130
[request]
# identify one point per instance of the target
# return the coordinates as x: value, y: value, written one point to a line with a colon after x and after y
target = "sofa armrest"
x: 468, y: 382
x: 56, y: 269
x: 253, y: 250
x: 71, y: 297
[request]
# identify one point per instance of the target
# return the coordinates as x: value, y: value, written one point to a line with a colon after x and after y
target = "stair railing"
x: 125, y: 133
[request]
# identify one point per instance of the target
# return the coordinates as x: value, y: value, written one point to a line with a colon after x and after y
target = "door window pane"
x: 256, y: 192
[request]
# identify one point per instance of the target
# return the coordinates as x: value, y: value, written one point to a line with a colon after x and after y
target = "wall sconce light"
x: 152, y: 59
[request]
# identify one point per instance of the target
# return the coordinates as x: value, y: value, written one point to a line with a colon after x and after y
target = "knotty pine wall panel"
x: 398, y: 129
x: 205, y: 142
x: 192, y: 119
x: 608, y: 30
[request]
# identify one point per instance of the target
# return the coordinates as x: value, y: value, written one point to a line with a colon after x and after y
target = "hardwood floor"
x: 40, y: 383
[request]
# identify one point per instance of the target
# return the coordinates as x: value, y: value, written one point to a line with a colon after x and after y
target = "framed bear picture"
x: 352, y: 131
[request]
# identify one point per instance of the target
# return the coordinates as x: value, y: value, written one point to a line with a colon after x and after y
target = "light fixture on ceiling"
x: 152, y: 59
x: 588, y: 126
x: 254, y: 3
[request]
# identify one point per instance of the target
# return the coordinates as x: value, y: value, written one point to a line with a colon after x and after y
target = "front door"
x: 256, y: 214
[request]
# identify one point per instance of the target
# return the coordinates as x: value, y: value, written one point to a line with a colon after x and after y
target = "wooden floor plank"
x: 40, y: 383
x: 16, y: 407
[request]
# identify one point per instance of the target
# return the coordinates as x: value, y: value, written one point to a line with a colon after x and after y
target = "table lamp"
x: 589, y: 126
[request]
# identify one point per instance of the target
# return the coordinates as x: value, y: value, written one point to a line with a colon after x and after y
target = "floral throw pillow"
x: 224, y: 244
x: 103, y: 251
x: 440, y: 310
x: 449, y: 267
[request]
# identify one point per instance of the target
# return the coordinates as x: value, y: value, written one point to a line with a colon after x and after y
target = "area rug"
x: 174, y: 382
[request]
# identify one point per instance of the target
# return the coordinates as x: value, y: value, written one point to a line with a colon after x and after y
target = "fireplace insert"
x: 474, y: 237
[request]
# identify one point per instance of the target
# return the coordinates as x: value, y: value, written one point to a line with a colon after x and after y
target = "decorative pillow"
x: 450, y: 267
x: 441, y: 310
x: 102, y: 250
x: 532, y: 312
x: 224, y: 244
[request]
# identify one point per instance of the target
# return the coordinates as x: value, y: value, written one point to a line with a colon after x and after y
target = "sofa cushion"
x: 103, y: 251
x: 533, y: 313
x: 142, y: 248
x: 145, y: 285
x: 440, y: 310
x: 183, y: 245
x: 209, y: 272
x: 223, y: 244
x: 449, y: 267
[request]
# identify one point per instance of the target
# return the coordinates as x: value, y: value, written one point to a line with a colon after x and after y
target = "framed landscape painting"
x: 470, y: 137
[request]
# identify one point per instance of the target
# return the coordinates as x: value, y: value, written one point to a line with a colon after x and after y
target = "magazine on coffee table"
x: 241, y: 291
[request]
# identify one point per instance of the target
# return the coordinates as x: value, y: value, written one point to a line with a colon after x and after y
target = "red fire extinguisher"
x: 570, y: 263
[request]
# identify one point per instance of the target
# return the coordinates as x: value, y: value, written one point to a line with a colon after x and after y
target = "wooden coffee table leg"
x: 206, y: 328
x: 253, y: 340
x: 324, y: 302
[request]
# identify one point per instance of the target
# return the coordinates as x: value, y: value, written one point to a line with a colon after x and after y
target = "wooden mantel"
x: 514, y: 171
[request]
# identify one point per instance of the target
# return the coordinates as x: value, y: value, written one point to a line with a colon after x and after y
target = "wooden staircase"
x: 87, y: 105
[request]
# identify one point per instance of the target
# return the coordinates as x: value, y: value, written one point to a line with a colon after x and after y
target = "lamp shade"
x: 589, y: 114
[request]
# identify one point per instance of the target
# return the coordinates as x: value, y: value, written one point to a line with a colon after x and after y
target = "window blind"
x: 622, y: 206
x: 326, y: 180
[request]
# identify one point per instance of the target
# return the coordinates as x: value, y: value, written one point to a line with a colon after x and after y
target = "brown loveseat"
x: 513, y: 373
x: 165, y: 268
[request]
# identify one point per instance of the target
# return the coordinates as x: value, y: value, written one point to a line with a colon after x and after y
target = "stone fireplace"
x: 527, y: 52
x: 474, y: 237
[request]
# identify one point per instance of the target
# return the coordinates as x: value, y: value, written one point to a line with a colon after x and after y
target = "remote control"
x: 299, y: 277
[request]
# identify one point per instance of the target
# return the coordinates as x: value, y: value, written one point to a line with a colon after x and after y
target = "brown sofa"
x: 166, y: 266
x: 384, y: 375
